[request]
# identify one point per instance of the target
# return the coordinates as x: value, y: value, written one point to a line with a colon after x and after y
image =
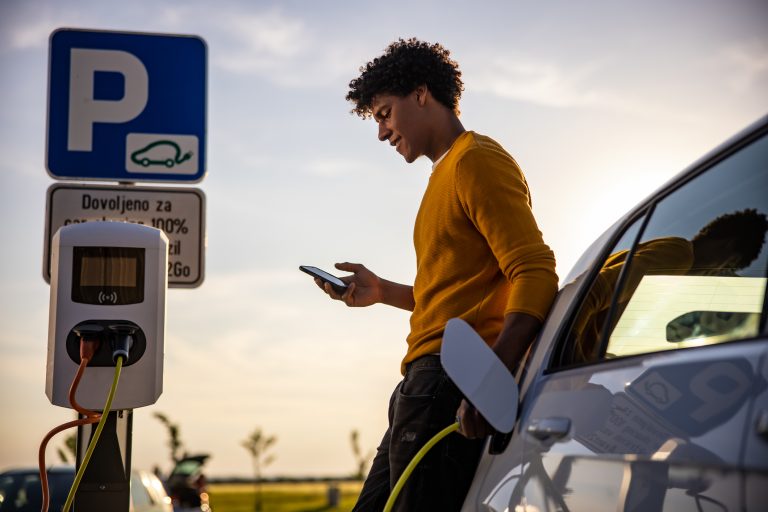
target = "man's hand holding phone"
x: 363, y: 287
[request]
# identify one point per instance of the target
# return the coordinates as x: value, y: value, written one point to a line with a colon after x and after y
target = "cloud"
x: 32, y: 22
x: 545, y: 83
x: 746, y: 66
x: 594, y: 85
x: 535, y: 82
x: 333, y: 167
x: 31, y: 36
x: 35, y: 33
x: 280, y: 48
x: 264, y: 41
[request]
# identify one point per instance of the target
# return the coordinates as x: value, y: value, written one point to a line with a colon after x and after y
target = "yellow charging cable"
x: 96, y: 435
x: 414, y: 461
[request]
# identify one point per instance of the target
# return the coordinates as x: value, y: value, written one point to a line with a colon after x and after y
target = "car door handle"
x: 550, y: 428
x: 761, y: 425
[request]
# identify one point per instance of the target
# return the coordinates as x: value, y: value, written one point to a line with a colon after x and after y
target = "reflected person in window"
x: 729, y: 243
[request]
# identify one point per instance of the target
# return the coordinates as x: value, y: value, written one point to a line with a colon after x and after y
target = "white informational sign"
x: 179, y: 212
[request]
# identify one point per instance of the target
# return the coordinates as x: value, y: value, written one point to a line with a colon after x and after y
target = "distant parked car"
x: 188, y: 486
x: 20, y: 490
x: 647, y: 389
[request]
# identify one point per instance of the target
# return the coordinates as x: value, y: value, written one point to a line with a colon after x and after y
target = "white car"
x: 648, y: 387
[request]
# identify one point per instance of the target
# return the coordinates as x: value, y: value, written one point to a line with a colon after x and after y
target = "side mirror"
x: 700, y: 324
x: 480, y: 375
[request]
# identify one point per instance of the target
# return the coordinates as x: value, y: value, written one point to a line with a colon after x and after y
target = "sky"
x: 599, y: 101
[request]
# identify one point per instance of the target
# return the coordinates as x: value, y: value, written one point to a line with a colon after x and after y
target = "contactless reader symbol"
x: 111, y: 297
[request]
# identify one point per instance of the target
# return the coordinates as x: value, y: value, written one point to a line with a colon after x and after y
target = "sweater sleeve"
x: 494, y: 195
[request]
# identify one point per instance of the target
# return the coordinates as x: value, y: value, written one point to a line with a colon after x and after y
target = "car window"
x: 696, y: 276
x: 583, y: 343
x: 186, y: 467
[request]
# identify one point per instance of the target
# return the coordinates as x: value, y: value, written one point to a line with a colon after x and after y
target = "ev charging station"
x: 108, y: 282
x: 108, y: 287
x: 124, y: 107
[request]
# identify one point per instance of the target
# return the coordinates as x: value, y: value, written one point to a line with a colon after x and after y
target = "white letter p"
x: 84, y: 110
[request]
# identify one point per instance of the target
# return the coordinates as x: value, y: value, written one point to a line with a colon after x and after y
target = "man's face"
x: 400, y: 123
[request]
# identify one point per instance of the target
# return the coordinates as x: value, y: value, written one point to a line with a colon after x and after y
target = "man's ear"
x: 421, y: 94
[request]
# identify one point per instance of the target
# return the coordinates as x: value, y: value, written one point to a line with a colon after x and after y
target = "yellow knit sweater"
x: 479, y: 252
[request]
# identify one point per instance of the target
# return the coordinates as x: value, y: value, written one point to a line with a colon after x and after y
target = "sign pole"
x: 126, y: 107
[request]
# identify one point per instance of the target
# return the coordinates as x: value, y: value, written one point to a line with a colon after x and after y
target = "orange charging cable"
x: 87, y: 350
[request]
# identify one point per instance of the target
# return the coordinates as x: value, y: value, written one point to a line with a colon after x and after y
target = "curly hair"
x: 403, y: 67
x: 746, y: 227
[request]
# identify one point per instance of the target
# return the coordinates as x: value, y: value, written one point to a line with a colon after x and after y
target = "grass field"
x: 282, y: 497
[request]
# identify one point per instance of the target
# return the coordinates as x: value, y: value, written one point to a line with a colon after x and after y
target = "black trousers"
x: 423, y: 403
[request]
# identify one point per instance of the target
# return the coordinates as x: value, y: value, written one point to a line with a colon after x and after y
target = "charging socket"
x: 104, y: 355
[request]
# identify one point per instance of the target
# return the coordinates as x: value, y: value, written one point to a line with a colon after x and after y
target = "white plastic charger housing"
x: 107, y: 274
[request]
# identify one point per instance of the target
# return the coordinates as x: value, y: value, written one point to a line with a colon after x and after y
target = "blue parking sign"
x: 126, y: 106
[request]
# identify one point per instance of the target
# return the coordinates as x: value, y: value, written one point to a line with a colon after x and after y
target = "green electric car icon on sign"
x: 161, y: 152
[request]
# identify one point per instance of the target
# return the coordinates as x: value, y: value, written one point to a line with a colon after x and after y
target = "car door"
x: 650, y: 392
x: 756, y: 452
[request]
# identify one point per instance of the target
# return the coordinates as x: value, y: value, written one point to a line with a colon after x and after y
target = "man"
x: 479, y: 254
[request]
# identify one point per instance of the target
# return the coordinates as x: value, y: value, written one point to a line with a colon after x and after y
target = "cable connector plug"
x: 121, y: 340
x: 90, y: 339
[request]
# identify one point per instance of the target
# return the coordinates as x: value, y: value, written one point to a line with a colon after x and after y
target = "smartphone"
x: 337, y: 284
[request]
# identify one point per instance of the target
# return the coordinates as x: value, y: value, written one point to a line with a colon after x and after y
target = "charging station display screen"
x: 108, y: 275
x: 108, y: 272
